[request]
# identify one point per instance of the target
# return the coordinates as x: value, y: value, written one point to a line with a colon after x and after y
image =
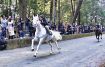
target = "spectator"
x: 2, y: 41
x: 4, y: 26
x: 73, y: 29
x: 11, y: 28
x: 20, y: 26
x: 27, y: 24
x: 69, y: 31
x: 21, y: 34
x: 61, y: 28
x: 31, y: 30
x: 53, y: 26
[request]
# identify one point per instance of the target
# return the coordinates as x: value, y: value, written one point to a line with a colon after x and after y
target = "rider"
x: 98, y: 28
x: 45, y: 24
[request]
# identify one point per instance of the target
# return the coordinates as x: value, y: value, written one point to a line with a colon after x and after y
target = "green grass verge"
x: 18, y: 43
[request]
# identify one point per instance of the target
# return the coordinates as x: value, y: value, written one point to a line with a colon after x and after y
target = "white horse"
x: 42, y: 36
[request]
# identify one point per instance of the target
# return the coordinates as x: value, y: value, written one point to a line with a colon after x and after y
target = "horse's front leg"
x: 40, y: 42
x: 32, y: 45
x: 96, y: 36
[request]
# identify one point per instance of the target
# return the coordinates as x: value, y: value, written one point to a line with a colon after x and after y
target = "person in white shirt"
x: 11, y: 28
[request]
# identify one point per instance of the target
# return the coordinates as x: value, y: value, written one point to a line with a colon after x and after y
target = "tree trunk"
x: 23, y: 10
x: 51, y: 9
x: 1, y: 1
x: 72, y: 9
x: 79, y: 17
x: 58, y: 11
x: 54, y: 10
x: 77, y: 11
x: 29, y: 8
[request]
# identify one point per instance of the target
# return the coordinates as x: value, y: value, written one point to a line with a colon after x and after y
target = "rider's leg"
x: 48, y: 31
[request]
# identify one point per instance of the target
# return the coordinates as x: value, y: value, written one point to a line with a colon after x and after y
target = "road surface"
x: 82, y: 52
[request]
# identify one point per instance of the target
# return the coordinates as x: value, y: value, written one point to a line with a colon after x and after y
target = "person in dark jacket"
x: 53, y: 26
x: 69, y: 30
x: 20, y: 28
x: 61, y: 28
x: 2, y: 42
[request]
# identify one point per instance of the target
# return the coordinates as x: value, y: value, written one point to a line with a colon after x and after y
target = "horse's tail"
x: 57, y: 35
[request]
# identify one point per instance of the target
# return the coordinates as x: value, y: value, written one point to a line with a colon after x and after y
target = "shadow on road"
x: 42, y: 56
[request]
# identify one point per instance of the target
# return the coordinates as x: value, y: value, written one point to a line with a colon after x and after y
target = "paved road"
x: 82, y: 52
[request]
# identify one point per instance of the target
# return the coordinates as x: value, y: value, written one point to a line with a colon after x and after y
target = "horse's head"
x: 36, y: 21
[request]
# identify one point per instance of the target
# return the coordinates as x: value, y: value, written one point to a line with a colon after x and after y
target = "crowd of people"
x: 10, y: 28
x: 77, y: 29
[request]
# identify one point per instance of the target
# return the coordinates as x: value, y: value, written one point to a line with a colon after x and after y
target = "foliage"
x: 89, y: 9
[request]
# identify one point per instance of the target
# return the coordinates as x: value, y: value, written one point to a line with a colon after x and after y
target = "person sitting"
x: 45, y: 24
x: 2, y: 41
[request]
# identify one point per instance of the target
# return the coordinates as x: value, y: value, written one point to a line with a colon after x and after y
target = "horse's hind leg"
x: 57, y: 45
x: 40, y: 42
x: 101, y: 35
x: 98, y: 37
x: 51, y: 47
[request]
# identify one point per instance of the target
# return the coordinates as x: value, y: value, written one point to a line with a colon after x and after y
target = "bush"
x: 18, y: 43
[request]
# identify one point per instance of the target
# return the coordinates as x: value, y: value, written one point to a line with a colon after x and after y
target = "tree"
x: 58, y: 11
x: 77, y: 10
x: 54, y: 10
x: 51, y: 9
x: 23, y: 11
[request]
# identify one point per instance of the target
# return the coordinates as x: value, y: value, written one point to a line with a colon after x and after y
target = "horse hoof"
x: 51, y: 53
x: 32, y: 50
x: 34, y: 56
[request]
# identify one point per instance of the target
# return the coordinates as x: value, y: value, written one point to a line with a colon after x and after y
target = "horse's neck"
x: 40, y: 30
x: 39, y: 27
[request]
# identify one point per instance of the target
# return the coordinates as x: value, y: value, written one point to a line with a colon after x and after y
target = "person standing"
x: 11, y: 29
x: 4, y: 26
